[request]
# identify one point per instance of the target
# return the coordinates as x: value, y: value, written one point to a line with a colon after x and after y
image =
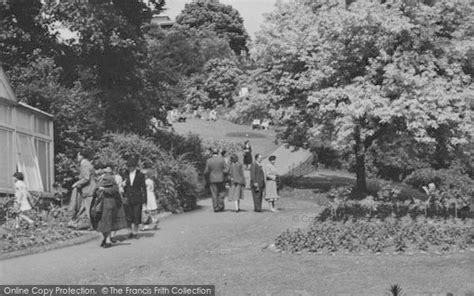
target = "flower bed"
x: 377, y: 236
x: 49, y: 227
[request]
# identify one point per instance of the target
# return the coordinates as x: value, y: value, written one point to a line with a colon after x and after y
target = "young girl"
x: 21, y: 199
x: 151, y: 207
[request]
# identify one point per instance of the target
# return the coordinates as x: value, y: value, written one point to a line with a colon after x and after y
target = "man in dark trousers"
x: 257, y: 182
x: 216, y: 167
x: 134, y: 196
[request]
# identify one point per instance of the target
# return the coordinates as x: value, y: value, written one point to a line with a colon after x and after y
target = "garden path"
x: 229, y: 250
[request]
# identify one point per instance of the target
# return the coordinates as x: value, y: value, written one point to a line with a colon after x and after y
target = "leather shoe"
x: 102, y: 244
x: 107, y: 245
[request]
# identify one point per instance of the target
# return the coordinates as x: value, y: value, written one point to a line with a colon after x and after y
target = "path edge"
x: 86, y: 237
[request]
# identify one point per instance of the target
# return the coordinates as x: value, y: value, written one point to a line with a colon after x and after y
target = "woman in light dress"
x: 22, y: 203
x: 271, y: 189
x: 151, y: 206
x: 237, y: 181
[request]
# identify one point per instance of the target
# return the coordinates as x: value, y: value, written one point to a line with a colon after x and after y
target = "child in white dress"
x: 22, y: 203
x: 151, y: 207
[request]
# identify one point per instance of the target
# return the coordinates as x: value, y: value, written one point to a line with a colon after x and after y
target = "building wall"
x: 26, y: 135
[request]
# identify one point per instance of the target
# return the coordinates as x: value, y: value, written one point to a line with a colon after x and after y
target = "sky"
x: 250, y: 10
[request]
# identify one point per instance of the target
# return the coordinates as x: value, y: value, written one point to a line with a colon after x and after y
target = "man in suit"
x: 134, y: 196
x: 85, y: 187
x: 257, y: 182
x: 216, y: 167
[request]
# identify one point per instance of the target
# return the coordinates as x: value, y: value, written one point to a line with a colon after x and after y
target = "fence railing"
x: 302, y: 168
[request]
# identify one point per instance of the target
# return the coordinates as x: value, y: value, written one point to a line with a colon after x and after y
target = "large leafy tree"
x: 174, y: 55
x: 224, y: 20
x: 215, y: 85
x: 108, y: 46
x: 369, y: 73
x: 22, y: 35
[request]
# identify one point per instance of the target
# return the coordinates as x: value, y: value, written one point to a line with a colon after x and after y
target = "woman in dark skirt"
x: 112, y: 217
x: 247, y: 154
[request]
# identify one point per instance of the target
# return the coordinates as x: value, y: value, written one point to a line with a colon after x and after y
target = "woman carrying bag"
x: 107, y: 214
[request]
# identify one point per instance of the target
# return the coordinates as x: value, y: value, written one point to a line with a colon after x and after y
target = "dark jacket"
x: 135, y: 193
x: 257, y: 175
x: 216, y: 167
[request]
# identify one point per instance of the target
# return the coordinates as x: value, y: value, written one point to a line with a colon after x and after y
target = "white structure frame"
x: 26, y: 143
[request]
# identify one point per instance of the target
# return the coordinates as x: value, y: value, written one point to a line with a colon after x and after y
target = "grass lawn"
x: 262, y: 142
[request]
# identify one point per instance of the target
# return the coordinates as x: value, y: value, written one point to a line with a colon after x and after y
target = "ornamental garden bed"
x: 49, y: 227
x: 389, y: 236
x: 382, y: 224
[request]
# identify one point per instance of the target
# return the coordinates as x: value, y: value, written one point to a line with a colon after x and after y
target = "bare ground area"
x: 228, y: 250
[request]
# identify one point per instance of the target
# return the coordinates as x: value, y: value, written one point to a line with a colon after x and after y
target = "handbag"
x: 98, y: 204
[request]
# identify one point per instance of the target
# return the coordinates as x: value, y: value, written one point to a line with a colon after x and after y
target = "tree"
x: 76, y: 116
x: 357, y: 74
x: 216, y: 85
x: 22, y: 35
x: 222, y: 19
x: 110, y: 48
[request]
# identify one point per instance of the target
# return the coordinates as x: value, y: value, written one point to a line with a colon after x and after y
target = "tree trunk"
x: 359, y: 150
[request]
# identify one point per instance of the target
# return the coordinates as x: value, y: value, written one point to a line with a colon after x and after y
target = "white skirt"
x: 150, y: 201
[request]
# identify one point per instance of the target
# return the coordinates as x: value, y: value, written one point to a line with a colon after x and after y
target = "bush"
x: 446, y: 180
x: 452, y: 187
x: 190, y: 146
x: 176, y: 178
x: 391, y: 235
x: 386, y: 202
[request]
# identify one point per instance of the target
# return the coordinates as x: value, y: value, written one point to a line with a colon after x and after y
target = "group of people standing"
x: 226, y: 177
x: 113, y: 201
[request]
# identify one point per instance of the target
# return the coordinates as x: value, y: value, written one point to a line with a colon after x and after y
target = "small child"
x: 22, y: 203
x: 151, y: 207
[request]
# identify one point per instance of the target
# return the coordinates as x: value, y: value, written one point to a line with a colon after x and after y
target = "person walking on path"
x: 112, y: 216
x: 22, y: 203
x: 271, y: 189
x: 226, y: 175
x: 151, y: 207
x: 247, y: 154
x: 237, y: 181
x: 216, y: 167
x: 257, y: 182
x: 120, y: 183
x: 134, y: 196
x: 84, y: 187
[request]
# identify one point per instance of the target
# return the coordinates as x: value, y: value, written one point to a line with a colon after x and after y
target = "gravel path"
x: 228, y: 249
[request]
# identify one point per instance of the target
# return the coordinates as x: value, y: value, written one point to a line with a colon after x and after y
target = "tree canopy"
x: 371, y: 73
x: 224, y: 20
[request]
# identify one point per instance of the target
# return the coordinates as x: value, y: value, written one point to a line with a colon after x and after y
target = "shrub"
x: 114, y: 149
x: 177, y: 185
x: 190, y: 146
x: 386, y: 202
x: 176, y: 178
x: 452, y: 187
x: 446, y: 180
